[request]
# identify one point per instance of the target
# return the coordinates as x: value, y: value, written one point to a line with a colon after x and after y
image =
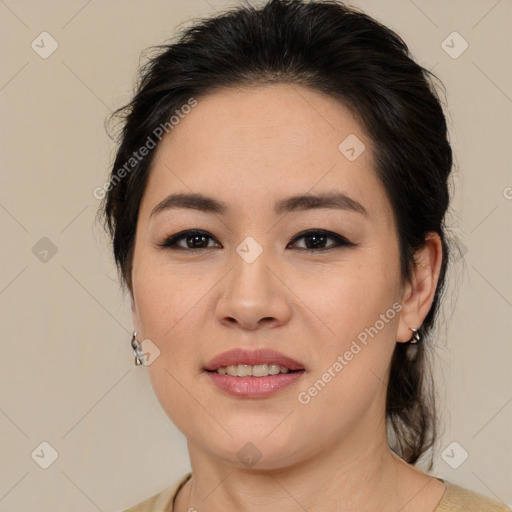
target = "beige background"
x: 67, y: 375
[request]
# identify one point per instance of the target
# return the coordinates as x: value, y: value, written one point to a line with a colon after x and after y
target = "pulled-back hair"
x: 346, y: 54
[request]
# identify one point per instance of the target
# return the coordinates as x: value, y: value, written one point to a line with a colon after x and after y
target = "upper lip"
x: 252, y: 357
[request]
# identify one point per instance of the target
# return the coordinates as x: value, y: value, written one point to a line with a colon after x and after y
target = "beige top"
x: 455, y: 499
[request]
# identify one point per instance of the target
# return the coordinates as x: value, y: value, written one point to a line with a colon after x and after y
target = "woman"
x: 276, y: 207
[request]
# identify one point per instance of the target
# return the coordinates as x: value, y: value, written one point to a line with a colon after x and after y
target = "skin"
x: 250, y: 148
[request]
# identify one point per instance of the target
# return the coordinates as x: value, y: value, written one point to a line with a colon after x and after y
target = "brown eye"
x: 194, y: 239
x: 316, y: 240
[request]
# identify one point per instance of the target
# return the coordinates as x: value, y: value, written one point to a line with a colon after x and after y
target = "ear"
x: 419, y: 293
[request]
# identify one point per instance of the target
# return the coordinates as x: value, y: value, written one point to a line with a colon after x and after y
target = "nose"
x: 254, y: 296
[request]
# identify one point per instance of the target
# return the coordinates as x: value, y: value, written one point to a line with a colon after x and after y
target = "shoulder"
x: 162, y: 501
x: 459, y: 499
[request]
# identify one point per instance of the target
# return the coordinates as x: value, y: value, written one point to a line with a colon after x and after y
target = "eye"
x: 194, y: 239
x: 198, y: 239
x: 317, y: 239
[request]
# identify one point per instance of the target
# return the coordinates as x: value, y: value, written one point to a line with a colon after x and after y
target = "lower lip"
x: 254, y: 387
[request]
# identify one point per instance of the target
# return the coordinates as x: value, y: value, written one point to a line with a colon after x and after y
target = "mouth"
x: 257, y: 362
x: 258, y: 370
x: 253, y: 374
x: 252, y: 387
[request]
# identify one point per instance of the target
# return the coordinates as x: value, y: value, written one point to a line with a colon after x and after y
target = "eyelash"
x: 171, y: 242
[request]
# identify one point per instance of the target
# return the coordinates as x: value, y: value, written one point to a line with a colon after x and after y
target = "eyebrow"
x: 200, y: 202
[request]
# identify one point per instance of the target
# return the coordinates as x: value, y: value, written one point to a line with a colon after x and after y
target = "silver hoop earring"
x: 415, y: 336
x: 137, y: 349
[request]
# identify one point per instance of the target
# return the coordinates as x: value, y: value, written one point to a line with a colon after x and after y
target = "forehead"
x: 251, y: 144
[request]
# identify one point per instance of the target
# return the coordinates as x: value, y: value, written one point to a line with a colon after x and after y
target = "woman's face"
x: 248, y: 282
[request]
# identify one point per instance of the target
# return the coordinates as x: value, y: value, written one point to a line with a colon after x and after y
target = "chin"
x: 257, y: 452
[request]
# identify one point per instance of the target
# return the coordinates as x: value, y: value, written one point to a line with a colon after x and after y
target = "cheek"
x: 335, y: 310
x: 165, y: 297
x: 349, y: 377
x: 352, y: 357
x: 334, y: 303
x: 169, y: 312
x: 353, y: 297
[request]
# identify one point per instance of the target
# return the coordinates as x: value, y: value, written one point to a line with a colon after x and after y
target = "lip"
x: 254, y: 387
x: 252, y: 357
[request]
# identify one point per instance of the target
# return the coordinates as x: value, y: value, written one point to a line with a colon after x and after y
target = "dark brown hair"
x: 342, y: 52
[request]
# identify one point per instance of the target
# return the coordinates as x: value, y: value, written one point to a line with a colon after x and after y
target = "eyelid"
x: 171, y: 241
x: 340, y: 240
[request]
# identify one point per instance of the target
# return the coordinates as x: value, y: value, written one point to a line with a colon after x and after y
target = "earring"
x: 137, y: 349
x: 415, y: 337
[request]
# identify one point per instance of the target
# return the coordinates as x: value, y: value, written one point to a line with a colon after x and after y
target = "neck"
x: 345, y: 478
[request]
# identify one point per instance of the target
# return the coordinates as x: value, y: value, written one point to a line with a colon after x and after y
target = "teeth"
x: 274, y: 369
x: 260, y: 370
x: 246, y: 370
